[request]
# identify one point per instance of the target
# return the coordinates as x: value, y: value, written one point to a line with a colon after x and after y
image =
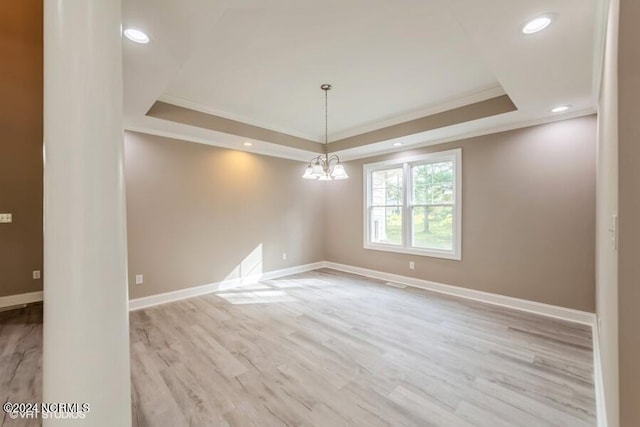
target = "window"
x: 414, y: 205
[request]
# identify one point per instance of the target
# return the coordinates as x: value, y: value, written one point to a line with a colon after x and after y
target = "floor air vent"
x: 396, y: 285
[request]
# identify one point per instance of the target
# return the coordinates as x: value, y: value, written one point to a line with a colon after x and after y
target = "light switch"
x: 5, y: 218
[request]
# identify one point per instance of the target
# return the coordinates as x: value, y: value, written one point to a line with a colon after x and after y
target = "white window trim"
x: 406, y: 163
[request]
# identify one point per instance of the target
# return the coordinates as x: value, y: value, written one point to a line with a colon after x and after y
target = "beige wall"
x: 606, y: 209
x: 629, y: 208
x: 528, y: 217
x: 198, y: 214
x: 21, y: 144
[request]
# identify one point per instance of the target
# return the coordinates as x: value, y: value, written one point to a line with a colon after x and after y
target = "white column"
x: 86, y: 324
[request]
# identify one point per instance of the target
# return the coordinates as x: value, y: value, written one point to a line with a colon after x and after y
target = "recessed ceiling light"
x: 560, y: 109
x: 247, y: 144
x: 537, y: 24
x: 136, y: 36
x: 397, y: 144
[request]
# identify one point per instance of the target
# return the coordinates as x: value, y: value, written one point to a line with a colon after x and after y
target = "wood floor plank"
x: 326, y: 348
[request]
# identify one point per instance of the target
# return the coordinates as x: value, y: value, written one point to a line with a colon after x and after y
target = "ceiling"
x: 245, y: 71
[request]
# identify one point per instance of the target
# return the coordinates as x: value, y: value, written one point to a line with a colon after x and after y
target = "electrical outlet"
x: 36, y: 274
x: 284, y: 255
x: 139, y: 279
x: 412, y: 265
x: 5, y: 218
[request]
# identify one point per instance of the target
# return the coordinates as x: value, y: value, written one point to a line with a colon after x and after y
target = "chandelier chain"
x: 326, y: 118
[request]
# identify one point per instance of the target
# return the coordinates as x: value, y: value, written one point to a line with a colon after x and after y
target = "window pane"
x: 386, y: 226
x: 433, y: 227
x: 433, y: 183
x: 386, y: 187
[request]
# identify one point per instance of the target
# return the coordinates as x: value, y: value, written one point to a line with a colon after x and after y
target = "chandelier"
x: 325, y: 167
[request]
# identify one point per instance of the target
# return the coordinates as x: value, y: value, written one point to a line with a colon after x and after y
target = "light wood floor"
x: 331, y: 349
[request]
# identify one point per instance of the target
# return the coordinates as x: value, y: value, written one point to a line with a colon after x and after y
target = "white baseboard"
x: 598, y: 378
x: 489, y: 298
x: 20, y: 299
x: 144, y: 302
x: 548, y: 310
x: 563, y: 313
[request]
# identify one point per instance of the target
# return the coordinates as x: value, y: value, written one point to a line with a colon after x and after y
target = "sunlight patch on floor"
x: 256, y: 297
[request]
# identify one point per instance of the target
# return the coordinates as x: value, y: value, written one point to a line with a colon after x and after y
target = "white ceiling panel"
x: 384, y: 59
x: 389, y: 61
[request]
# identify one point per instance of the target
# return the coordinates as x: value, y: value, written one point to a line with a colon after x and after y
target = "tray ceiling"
x: 390, y: 63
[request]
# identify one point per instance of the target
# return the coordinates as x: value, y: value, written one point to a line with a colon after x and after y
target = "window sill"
x: 413, y: 251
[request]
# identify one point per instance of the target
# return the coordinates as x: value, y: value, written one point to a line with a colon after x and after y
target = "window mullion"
x: 406, y: 240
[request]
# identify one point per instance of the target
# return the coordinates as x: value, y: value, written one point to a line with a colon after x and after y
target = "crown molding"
x: 345, y: 155
x: 201, y: 108
x: 430, y: 110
